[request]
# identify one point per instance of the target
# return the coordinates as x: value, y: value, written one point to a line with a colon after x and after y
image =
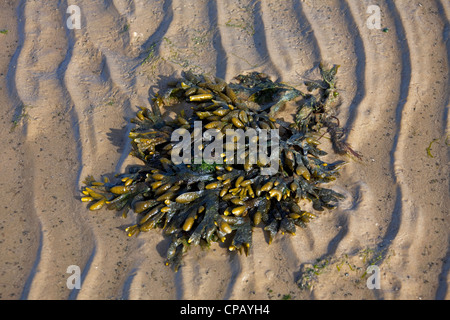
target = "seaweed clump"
x: 200, y: 202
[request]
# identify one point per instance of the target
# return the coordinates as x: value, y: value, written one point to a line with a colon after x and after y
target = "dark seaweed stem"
x: 198, y: 203
x: 317, y: 110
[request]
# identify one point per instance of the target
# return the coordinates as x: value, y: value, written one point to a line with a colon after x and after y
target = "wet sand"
x: 66, y: 98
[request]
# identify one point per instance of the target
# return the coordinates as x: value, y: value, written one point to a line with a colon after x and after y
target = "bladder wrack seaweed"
x: 223, y: 201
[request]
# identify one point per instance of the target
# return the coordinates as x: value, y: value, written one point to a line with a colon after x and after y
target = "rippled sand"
x: 66, y: 97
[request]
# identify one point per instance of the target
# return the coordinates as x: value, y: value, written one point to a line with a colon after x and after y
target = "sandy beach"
x: 67, y: 95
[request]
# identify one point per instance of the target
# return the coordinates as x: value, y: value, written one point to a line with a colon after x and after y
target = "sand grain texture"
x: 66, y: 98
